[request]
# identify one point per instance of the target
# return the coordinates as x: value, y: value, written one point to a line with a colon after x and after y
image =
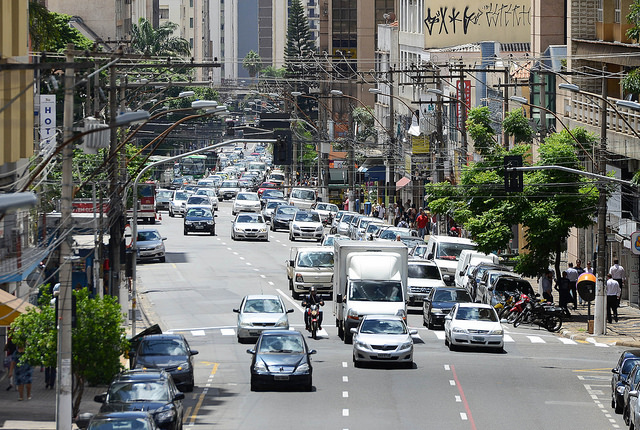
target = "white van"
x: 303, y: 198
x: 467, y: 261
x: 445, y: 251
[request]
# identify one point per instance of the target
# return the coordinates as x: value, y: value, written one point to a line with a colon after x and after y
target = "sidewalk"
x: 626, y: 332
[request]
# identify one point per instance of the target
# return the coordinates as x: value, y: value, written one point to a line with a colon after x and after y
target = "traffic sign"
x: 128, y: 236
x: 635, y: 243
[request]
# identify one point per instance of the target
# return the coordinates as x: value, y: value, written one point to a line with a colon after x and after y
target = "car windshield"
x: 328, y: 241
x: 419, y: 251
x: 138, y: 391
x: 230, y: 184
x: 164, y: 194
x: 273, y: 193
x: 276, y: 177
x: 389, y: 234
x: 272, y: 205
x: 281, y: 344
x: 198, y: 201
x: 373, y: 326
x: 364, y: 223
x: 315, y: 259
x: 181, y: 196
x: 252, y: 197
x: 120, y: 424
x: 628, y: 364
x: 307, y: 216
x: 287, y: 210
x: 451, y: 296
x: 206, y: 192
x: 163, y: 347
x: 199, y: 212
x: 144, y: 236
x: 346, y: 218
x: 451, y: 251
x: 424, y: 271
x: 372, y: 228
x: 249, y: 218
x: 303, y: 194
x: 476, y: 314
x: 376, y: 291
x: 514, y: 286
x: 258, y: 306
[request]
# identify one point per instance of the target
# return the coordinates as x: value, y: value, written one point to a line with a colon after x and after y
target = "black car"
x: 439, y: 302
x: 138, y: 420
x: 169, y: 352
x: 281, y: 358
x: 282, y: 217
x: 145, y: 390
x: 200, y: 220
x: 631, y: 384
x: 625, y: 363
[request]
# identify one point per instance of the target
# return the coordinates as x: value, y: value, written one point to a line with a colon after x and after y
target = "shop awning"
x: 10, y: 307
x: 402, y: 182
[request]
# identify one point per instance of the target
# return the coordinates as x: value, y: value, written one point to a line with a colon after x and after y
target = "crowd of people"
x: 406, y: 215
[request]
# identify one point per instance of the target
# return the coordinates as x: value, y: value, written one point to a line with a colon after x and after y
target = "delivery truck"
x: 370, y: 278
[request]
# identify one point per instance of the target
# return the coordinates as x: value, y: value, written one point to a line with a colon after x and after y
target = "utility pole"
x: 463, y: 117
x: 543, y: 103
x: 599, y: 327
x: 64, y: 300
x: 391, y: 160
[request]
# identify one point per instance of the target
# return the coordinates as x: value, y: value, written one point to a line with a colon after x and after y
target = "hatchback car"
x: 620, y: 373
x: 134, y: 420
x: 249, y: 226
x: 145, y: 390
x: 383, y: 338
x: 473, y: 324
x: 258, y: 313
x: 326, y: 211
x: 306, y: 224
x: 169, y: 352
x: 178, y: 205
x: 163, y: 199
x: 246, y: 202
x: 439, y: 302
x: 200, y: 201
x: 199, y: 220
x: 282, y: 217
x: 281, y: 358
x: 150, y: 245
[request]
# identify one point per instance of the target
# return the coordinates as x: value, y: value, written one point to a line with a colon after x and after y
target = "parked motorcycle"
x: 313, y: 312
x: 543, y: 314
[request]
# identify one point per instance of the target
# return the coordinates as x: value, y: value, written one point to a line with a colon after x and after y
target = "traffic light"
x: 513, y: 180
x: 283, y: 148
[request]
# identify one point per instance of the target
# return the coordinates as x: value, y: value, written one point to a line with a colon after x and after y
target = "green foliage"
x: 98, y: 340
x: 252, y: 63
x: 158, y: 41
x: 299, y: 46
x: 517, y: 125
x: 50, y: 31
x: 631, y: 82
x: 480, y: 130
x: 272, y: 72
x: 633, y: 18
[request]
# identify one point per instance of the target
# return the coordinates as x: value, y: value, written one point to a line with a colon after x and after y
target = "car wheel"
x: 348, y: 338
x: 290, y: 284
x: 295, y: 295
x: 356, y: 363
x: 408, y: 365
x: 308, y: 387
x: 618, y: 408
x: 189, y: 387
x: 163, y: 259
x: 186, y: 232
x: 446, y: 340
x: 254, y: 385
x: 171, y: 214
x: 452, y: 347
x: 292, y: 239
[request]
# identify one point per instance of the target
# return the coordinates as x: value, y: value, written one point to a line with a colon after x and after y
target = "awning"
x: 402, y: 182
x: 10, y: 307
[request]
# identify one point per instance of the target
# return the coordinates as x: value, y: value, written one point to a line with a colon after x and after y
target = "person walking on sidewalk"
x: 547, y: 286
x: 564, y: 290
x: 22, y: 371
x: 572, y: 274
x: 617, y: 272
x: 580, y: 271
x: 613, y: 298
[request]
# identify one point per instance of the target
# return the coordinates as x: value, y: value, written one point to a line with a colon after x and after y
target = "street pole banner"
x: 47, y: 116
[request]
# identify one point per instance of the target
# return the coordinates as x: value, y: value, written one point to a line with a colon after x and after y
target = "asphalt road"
x: 541, y: 382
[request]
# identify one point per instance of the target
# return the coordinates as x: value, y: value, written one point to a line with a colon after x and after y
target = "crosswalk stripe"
x: 536, y: 339
x: 508, y: 338
x: 227, y: 331
x: 197, y: 332
x: 567, y: 341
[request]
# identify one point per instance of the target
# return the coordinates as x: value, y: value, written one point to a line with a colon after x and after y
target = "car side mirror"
x: 412, y: 332
x: 491, y: 288
x: 179, y: 396
x: 237, y: 311
x: 215, y: 215
x: 251, y: 351
x: 289, y: 311
x: 164, y: 238
x: 616, y: 371
x: 195, y: 352
x: 313, y: 351
x: 354, y: 331
x: 461, y: 273
x: 292, y: 263
x: 100, y: 398
x: 131, y: 354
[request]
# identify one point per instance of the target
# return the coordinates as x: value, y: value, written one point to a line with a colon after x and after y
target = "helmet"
x: 312, y: 290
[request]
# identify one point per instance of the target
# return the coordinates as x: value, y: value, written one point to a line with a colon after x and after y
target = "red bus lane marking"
x: 464, y: 399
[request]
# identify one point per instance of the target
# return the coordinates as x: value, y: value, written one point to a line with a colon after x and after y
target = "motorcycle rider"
x: 312, y: 299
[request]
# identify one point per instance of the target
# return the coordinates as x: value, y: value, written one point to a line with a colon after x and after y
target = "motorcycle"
x: 313, y: 313
x: 543, y: 314
x: 516, y: 310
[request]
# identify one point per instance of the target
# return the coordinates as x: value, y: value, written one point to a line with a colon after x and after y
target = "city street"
x: 542, y: 381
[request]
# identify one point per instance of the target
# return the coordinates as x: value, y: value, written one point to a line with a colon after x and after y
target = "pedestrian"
x: 580, y: 271
x: 9, y: 349
x: 421, y: 222
x: 345, y: 205
x: 547, y: 286
x: 382, y: 211
x: 564, y: 291
x: 572, y: 274
x: 22, y: 372
x: 613, y: 298
x: 588, y: 269
x: 617, y: 272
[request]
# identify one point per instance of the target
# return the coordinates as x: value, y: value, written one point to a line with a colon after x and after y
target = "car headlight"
x: 406, y: 345
x: 496, y: 332
x: 361, y: 345
x: 238, y: 229
x: 303, y: 368
x: 436, y: 311
x: 165, y: 416
x: 260, y: 366
x: 319, y: 228
x: 620, y: 389
x: 299, y: 277
x: 210, y: 222
x: 283, y: 322
x: 295, y: 226
x: 244, y: 324
x: 159, y: 247
x: 458, y: 330
x: 263, y: 229
x: 184, y: 366
x: 188, y: 222
x: 402, y: 313
x: 352, y: 314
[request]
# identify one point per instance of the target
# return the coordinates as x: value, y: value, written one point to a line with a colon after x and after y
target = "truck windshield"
x: 451, y: 251
x: 315, y: 259
x: 376, y: 291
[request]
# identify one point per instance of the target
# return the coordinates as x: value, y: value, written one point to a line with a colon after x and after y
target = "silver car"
x: 306, y: 224
x: 383, y: 339
x: 261, y: 312
x: 178, y: 205
x: 211, y: 193
x: 249, y: 226
x: 246, y: 202
x: 150, y: 245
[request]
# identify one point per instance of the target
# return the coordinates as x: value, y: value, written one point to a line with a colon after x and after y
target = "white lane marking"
x: 290, y: 300
x: 567, y: 341
x: 596, y: 343
x: 463, y: 416
x: 217, y: 238
x: 271, y: 283
x: 197, y: 332
x: 345, y: 412
x: 452, y: 382
x: 278, y: 240
x: 439, y: 335
x: 256, y: 270
x: 536, y: 339
x: 344, y: 364
x: 241, y: 258
x: 235, y: 253
x: 227, y: 331
x: 263, y: 276
x: 224, y: 243
x: 284, y: 244
x: 508, y: 338
x: 447, y: 367
x: 230, y: 249
x: 249, y: 264
x: 458, y: 399
x: 345, y: 394
x: 345, y: 379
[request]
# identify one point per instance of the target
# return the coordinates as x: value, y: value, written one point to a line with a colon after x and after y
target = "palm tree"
x: 158, y: 41
x: 253, y: 63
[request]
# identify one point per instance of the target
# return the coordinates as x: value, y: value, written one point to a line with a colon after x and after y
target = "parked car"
x: 169, y: 352
x: 270, y: 193
x: 150, y: 245
x: 246, y: 202
x: 282, y: 217
x: 473, y: 325
x: 383, y: 339
x: 199, y: 220
x: 476, y: 276
x: 620, y: 373
x: 306, y: 224
x: 178, y: 205
x: 249, y: 226
x: 258, y: 313
x: 145, y: 390
x: 281, y: 357
x: 423, y: 275
x: 630, y: 384
x: 439, y: 302
x: 342, y: 228
x: 488, y: 278
x: 333, y: 229
x: 510, y: 284
x: 132, y: 420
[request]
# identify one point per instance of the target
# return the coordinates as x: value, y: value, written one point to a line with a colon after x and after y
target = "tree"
x: 50, y: 31
x: 633, y: 18
x: 300, y: 48
x: 98, y: 339
x: 551, y: 203
x: 158, y: 41
x: 252, y: 63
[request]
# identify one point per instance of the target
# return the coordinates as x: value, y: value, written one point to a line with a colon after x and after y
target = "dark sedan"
x: 282, y: 217
x: 271, y: 193
x: 281, y: 358
x: 169, y: 352
x: 122, y: 420
x: 145, y: 390
x: 620, y: 373
x: 439, y: 302
x: 199, y: 220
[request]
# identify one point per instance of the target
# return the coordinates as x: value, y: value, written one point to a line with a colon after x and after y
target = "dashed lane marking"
x: 197, y: 332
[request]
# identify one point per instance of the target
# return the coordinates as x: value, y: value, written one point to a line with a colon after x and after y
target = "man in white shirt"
x: 617, y: 272
x: 613, y: 298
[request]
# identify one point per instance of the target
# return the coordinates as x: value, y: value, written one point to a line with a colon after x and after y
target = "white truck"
x: 370, y: 278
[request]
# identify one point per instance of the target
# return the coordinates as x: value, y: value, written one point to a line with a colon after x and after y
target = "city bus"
x: 193, y: 165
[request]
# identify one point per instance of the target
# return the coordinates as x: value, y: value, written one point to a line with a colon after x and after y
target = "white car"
x: 200, y: 201
x: 383, y: 339
x: 473, y: 324
x: 211, y: 193
x: 326, y: 211
x: 306, y: 224
x: 423, y: 276
x: 261, y: 312
x: 246, y: 202
x: 228, y: 189
x: 249, y: 226
x: 178, y: 206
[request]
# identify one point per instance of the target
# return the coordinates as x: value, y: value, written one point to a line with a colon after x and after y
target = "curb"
x: 613, y: 340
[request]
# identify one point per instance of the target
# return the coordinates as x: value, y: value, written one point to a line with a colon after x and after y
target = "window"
x: 616, y: 13
x: 190, y: 22
x: 190, y: 3
x: 163, y: 13
x: 191, y: 43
